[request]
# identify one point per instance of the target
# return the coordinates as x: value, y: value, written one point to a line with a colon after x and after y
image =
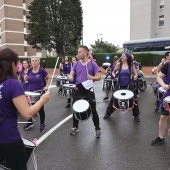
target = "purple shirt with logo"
x: 36, y: 80
x: 81, y: 71
x: 9, y: 89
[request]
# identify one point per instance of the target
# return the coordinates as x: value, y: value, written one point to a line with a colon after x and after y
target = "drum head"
x: 167, y: 99
x: 28, y: 143
x: 80, y: 105
x: 62, y: 77
x: 161, y: 89
x: 29, y: 93
x: 123, y: 94
x: 69, y: 85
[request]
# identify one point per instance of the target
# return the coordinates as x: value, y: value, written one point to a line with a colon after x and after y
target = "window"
x: 161, y: 2
x: 161, y: 21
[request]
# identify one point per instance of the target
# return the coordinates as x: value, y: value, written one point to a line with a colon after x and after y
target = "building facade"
x: 149, y: 24
x: 13, y: 27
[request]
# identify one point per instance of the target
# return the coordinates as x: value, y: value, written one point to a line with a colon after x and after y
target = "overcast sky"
x: 111, y: 18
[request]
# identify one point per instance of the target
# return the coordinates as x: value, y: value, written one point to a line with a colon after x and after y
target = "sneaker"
x: 106, y: 116
x: 156, y: 111
x: 74, y: 131
x: 28, y: 126
x: 68, y: 105
x: 136, y: 118
x: 98, y: 133
x: 157, y: 141
x: 42, y: 127
x: 106, y: 98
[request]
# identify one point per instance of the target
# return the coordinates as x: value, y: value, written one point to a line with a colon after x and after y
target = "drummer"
x: 165, y: 72
x: 74, y: 60
x: 125, y: 70
x: 38, y: 80
x: 86, y: 71
x: 12, y: 98
x: 65, y: 68
x: 161, y: 64
x: 111, y: 68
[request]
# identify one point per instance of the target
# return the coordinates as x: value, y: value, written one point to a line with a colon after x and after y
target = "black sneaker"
x: 156, y: 111
x: 136, y: 118
x: 157, y: 141
x: 106, y: 116
x: 98, y: 133
x: 69, y: 105
x: 106, y: 98
x: 74, y: 131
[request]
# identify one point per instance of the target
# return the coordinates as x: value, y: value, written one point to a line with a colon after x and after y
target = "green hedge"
x: 146, y: 59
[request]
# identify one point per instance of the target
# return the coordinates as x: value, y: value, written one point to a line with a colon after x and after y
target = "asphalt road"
x: 124, y: 145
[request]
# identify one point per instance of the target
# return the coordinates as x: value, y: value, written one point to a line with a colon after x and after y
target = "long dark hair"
x: 7, y: 57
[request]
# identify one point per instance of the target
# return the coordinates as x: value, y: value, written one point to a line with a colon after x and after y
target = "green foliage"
x: 55, y: 24
x: 103, y: 47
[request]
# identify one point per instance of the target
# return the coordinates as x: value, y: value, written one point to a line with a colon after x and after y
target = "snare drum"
x: 60, y: 80
x: 33, y: 96
x: 166, y: 103
x: 123, y: 100
x: 68, y: 90
x: 107, y: 85
x: 161, y: 92
x: 81, y: 110
x: 29, y: 147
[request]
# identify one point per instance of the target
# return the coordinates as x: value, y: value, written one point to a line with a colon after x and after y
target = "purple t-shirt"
x: 66, y: 68
x: 24, y: 84
x: 36, y: 81
x: 81, y: 71
x: 9, y: 89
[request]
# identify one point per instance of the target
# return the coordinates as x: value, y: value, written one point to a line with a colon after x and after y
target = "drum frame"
x: 88, y: 115
x: 68, y: 91
x: 160, y: 91
x: 106, y: 87
x: 123, y: 103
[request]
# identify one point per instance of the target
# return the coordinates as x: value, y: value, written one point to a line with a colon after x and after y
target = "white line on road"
x: 42, y: 138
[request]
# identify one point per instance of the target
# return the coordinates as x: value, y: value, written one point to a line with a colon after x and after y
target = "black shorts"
x: 164, y: 112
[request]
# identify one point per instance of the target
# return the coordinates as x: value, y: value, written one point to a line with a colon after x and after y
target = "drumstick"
x: 53, y: 73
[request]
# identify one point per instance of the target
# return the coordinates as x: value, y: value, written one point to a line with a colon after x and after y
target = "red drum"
x: 123, y: 100
x: 60, y: 80
x: 161, y: 92
x: 166, y: 103
x: 81, y: 110
x: 107, y: 85
x: 68, y: 90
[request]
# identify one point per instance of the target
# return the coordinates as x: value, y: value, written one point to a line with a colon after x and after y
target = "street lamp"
x: 98, y: 35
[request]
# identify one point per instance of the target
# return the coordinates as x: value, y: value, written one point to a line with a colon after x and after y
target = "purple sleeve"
x: 16, y: 88
x: 44, y: 72
x: 95, y: 67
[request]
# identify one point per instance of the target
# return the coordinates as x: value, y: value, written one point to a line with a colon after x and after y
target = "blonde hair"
x: 36, y: 58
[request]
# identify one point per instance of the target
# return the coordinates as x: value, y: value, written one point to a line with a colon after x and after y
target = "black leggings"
x: 42, y: 115
x: 89, y: 96
x: 110, y: 108
x: 14, y: 154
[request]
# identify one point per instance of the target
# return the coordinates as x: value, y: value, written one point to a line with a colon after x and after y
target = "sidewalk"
x: 146, y: 70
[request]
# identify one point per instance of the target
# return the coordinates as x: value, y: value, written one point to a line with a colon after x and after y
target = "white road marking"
x: 42, y: 138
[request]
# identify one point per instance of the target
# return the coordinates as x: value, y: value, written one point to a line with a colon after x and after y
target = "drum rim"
x: 33, y: 144
x: 33, y: 93
x: 165, y: 99
x: 72, y: 85
x: 79, y: 101
x: 161, y: 89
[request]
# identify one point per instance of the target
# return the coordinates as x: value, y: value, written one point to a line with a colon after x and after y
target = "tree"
x: 103, y: 47
x: 55, y: 24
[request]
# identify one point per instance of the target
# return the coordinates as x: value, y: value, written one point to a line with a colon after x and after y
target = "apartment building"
x: 149, y: 25
x: 13, y: 27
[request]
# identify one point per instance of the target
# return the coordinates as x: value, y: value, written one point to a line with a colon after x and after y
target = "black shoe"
x: 136, y: 118
x: 106, y: 116
x: 69, y: 105
x: 157, y: 141
x: 106, y: 98
x: 156, y: 111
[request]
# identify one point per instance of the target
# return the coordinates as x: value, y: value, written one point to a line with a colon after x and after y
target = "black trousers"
x: 14, y: 154
x: 90, y: 97
x: 110, y: 108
